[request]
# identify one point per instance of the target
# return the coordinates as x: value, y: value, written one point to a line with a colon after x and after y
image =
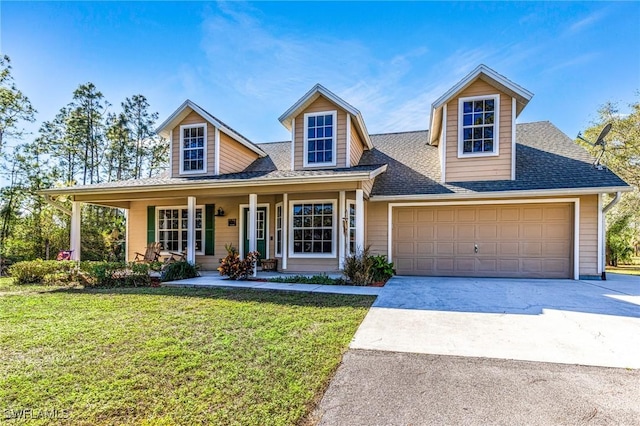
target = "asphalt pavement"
x: 393, y: 388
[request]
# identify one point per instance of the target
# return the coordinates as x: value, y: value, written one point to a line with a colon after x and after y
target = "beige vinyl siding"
x: 589, y: 235
x: 377, y: 233
x: 376, y: 230
x: 321, y: 104
x: 192, y: 118
x: 479, y: 168
x: 367, y: 185
x: 234, y: 157
x: 356, y: 145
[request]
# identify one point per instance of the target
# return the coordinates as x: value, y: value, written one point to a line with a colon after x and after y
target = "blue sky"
x: 247, y: 63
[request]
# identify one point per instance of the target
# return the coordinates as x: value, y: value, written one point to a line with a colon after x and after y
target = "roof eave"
x: 166, y: 126
x: 472, y: 76
x: 260, y: 181
x: 502, y: 194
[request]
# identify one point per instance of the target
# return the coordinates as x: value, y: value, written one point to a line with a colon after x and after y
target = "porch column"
x: 191, y: 230
x: 285, y: 230
x: 74, y: 237
x: 341, y: 229
x: 126, y: 235
x: 253, y: 207
x: 359, y: 219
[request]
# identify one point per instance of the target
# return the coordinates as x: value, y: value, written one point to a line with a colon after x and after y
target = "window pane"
x: 488, y: 145
x: 477, y: 106
x: 467, y: 134
x: 477, y: 119
x: 477, y: 133
x: 488, y: 119
x: 311, y: 122
x: 467, y: 146
x: 468, y: 120
x: 489, y: 105
x: 328, y: 120
x: 467, y: 107
x: 320, y: 120
x: 328, y: 132
x: 477, y: 146
x: 488, y: 132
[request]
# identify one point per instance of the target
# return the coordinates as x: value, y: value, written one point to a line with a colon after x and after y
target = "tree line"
x: 88, y: 141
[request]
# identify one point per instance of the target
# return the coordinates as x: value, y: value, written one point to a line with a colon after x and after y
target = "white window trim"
x: 496, y: 127
x: 204, y: 164
x: 275, y: 234
x: 185, y: 207
x: 333, y: 253
x: 334, y: 138
x: 349, y: 203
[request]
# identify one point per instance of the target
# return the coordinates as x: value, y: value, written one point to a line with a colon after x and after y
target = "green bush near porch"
x: 90, y: 274
x: 171, y: 355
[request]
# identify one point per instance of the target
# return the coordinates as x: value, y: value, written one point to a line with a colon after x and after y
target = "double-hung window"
x: 320, y: 139
x: 313, y: 229
x: 193, y: 148
x: 172, y: 229
x: 478, y: 125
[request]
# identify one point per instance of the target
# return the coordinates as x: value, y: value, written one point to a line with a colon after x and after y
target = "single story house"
x: 475, y: 195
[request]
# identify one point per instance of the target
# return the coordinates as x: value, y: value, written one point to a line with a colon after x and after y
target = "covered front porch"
x: 306, y: 226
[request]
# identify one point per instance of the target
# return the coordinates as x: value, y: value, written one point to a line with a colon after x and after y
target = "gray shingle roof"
x: 545, y: 159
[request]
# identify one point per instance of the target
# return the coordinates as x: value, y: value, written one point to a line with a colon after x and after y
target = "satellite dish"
x: 600, y: 142
x: 605, y: 131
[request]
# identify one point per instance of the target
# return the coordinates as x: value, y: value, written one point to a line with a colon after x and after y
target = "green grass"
x: 624, y: 269
x: 171, y: 355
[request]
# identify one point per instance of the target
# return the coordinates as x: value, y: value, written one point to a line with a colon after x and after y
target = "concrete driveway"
x: 561, y: 321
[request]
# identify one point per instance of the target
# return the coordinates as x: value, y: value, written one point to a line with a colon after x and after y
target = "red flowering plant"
x: 236, y: 268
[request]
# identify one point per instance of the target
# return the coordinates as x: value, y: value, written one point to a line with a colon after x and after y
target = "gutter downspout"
x: 605, y: 209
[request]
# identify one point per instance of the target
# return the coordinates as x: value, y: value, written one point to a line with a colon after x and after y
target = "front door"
x: 261, y: 231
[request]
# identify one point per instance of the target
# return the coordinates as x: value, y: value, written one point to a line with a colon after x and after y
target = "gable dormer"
x: 326, y: 131
x: 202, y: 145
x: 473, y: 125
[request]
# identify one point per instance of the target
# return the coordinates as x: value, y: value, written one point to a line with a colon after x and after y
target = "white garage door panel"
x: 528, y: 240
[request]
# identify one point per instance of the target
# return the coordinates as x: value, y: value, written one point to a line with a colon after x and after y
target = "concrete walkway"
x: 560, y: 321
x: 214, y: 279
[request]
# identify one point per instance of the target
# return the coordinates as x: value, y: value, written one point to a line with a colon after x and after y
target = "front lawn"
x: 170, y: 355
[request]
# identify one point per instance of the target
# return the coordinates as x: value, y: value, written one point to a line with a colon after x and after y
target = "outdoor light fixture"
x: 220, y: 212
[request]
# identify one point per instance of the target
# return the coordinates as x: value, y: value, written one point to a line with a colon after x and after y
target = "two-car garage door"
x: 515, y: 240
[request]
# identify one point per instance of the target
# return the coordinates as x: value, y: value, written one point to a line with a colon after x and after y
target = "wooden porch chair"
x: 176, y: 257
x: 151, y: 254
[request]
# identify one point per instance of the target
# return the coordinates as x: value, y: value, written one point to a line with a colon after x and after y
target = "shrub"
x: 116, y: 274
x: 358, y: 267
x: 363, y: 268
x: 48, y: 272
x: 382, y: 270
x: 236, y: 268
x: 179, y: 271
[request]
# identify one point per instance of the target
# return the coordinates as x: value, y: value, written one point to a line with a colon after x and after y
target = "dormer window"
x: 478, y: 125
x: 193, y: 148
x: 320, y: 139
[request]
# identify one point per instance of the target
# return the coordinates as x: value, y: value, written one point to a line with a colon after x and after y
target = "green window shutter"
x: 209, y: 229
x: 151, y: 224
